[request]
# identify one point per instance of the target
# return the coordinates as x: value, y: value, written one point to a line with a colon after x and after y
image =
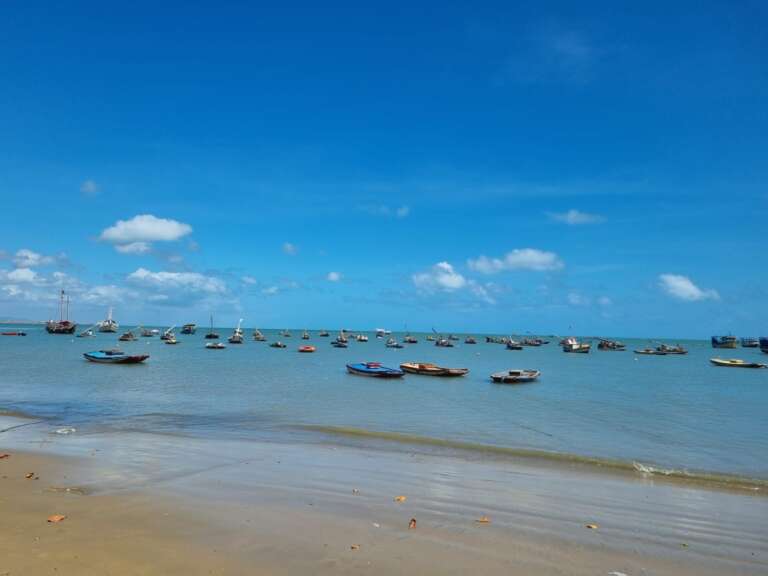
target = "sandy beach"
x: 149, y: 504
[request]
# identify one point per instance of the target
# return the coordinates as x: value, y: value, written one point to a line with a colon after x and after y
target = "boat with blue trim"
x: 374, y: 369
x: 724, y: 341
x: 114, y: 357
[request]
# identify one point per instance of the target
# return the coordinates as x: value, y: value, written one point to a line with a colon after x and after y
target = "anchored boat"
x: 188, y: 328
x: 108, y: 324
x: 63, y: 326
x: 374, y: 369
x: 427, y: 369
x: 736, y: 363
x: 215, y: 345
x: 724, y: 341
x: 114, y: 357
x: 515, y: 376
x: 307, y: 349
x: 573, y: 345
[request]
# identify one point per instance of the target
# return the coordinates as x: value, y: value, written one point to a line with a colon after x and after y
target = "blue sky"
x: 544, y: 167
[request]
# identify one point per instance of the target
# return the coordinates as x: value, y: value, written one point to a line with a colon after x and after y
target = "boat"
x: 278, y: 344
x: 147, y: 333
x: 431, y: 338
x: 392, y: 343
x: 108, y: 324
x: 764, y: 345
x: 258, y: 336
x: 736, y: 363
x: 410, y: 339
x: 724, y: 341
x: 676, y: 349
x: 189, y: 328
x: 285, y: 334
x: 374, y: 369
x: 307, y: 349
x: 211, y: 334
x: 324, y: 334
x: 171, y: 339
x: 750, y: 343
x: 381, y: 332
x: 470, y: 340
x: 215, y: 345
x: 453, y: 338
x: 114, y: 357
x: 127, y: 337
x: 530, y: 342
x: 13, y: 333
x: 168, y: 334
x: 339, y: 344
x: 514, y: 345
x: 237, y: 335
x: 361, y: 338
x: 342, y: 337
x: 443, y: 343
x: 572, y: 345
x: 63, y: 325
x: 427, y: 369
x: 88, y: 332
x: 611, y: 345
x: 650, y: 352
x: 515, y: 376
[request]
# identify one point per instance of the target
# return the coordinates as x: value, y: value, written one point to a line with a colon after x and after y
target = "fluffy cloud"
x: 441, y: 276
x: 188, y: 281
x: 518, y: 259
x: 134, y: 236
x: 577, y: 299
x: 290, y: 249
x: 21, y: 275
x: 333, y: 277
x: 89, y: 188
x: 26, y: 258
x: 250, y: 280
x: 270, y: 290
x: 575, y: 217
x: 683, y: 288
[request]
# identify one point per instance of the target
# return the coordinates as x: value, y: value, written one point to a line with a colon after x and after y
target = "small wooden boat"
x: 88, y: 332
x: 574, y: 346
x: 611, y: 345
x: 237, y: 335
x: 172, y: 340
x: 361, y: 338
x: 452, y: 337
x: 215, y: 345
x: 724, y: 341
x: 374, y: 369
x: 431, y: 338
x: 764, y: 345
x: 146, y: 333
x: 530, y: 342
x: 736, y: 363
x: 127, y: 337
x: 339, y: 344
x: 427, y: 369
x: 443, y: 343
x: 666, y: 349
x: 278, y: 344
x: 285, y: 334
x: 410, y: 339
x: 168, y: 334
x: 305, y: 335
x: 324, y: 334
x: 13, y: 333
x: 211, y: 334
x: 188, y: 328
x: 307, y: 349
x: 650, y: 352
x: 470, y: 340
x: 258, y: 336
x: 114, y: 357
x: 750, y: 343
x: 392, y: 343
x: 515, y: 376
x: 108, y: 324
x: 514, y: 345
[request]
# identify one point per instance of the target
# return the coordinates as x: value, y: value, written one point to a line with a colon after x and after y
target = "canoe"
x: 427, y: 369
x: 513, y: 345
x: 307, y: 349
x: 736, y: 363
x: 215, y: 346
x: 514, y: 376
x: 374, y: 369
x: 114, y: 357
x: 277, y: 344
x: 650, y: 352
x: 14, y: 333
x: 339, y: 344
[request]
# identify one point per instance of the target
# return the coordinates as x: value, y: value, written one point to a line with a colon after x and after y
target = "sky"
x: 547, y: 167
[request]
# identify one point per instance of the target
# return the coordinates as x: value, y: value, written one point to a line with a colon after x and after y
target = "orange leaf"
x: 56, y: 518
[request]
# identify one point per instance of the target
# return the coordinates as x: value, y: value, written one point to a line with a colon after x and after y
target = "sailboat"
x: 63, y: 326
x: 168, y: 334
x: 211, y: 334
x: 108, y: 325
x: 237, y: 335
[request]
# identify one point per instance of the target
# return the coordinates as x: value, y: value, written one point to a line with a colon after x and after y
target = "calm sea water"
x: 675, y: 412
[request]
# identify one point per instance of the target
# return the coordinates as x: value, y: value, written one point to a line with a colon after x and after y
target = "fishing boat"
x: 278, y: 344
x: 285, y: 334
x: 324, y: 334
x: 572, y: 345
x: 88, y: 332
x: 515, y: 376
x: 650, y: 352
x: 307, y: 349
x: 168, y: 334
x: 215, y: 345
x: 530, y: 342
x: 63, y: 325
x: 427, y: 369
x: 237, y: 335
x: 443, y: 343
x: 361, y: 338
x: 410, y: 339
x: 339, y: 344
x: 514, y: 345
x: 342, y: 337
x: 127, y: 337
x: 171, y: 339
x: 258, y: 336
x: 305, y: 335
x: 749, y: 343
x: 147, y: 333
x: 108, y: 324
x: 374, y: 369
x: 381, y: 332
x: 764, y: 345
x: 13, y: 333
x: 114, y: 357
x: 189, y: 328
x: 392, y: 343
x: 724, y: 341
x: 611, y: 345
x: 453, y: 337
x: 211, y: 334
x: 470, y: 340
x: 667, y: 349
x: 736, y: 363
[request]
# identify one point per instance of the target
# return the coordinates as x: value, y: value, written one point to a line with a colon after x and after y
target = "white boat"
x: 109, y: 324
x: 215, y: 346
x: 573, y: 345
x: 237, y: 335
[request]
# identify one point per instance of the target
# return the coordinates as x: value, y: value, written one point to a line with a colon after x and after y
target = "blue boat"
x: 114, y: 357
x: 764, y: 344
x: 724, y: 342
x: 374, y: 369
x: 749, y: 343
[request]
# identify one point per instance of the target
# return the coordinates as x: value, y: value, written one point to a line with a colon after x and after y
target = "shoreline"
x: 258, y: 507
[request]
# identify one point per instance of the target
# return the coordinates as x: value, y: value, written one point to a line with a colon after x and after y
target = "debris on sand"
x: 483, y: 520
x: 56, y: 518
x: 400, y: 498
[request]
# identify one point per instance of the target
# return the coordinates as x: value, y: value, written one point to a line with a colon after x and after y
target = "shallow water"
x: 675, y: 412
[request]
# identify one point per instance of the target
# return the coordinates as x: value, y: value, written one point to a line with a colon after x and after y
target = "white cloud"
x: 22, y: 275
x: 89, y: 188
x: 290, y: 249
x: 189, y: 281
x: 26, y: 258
x: 683, y: 288
x: 441, y: 276
x: 518, y: 259
x: 250, y: 280
x: 145, y: 228
x: 575, y: 217
x: 577, y: 299
x: 333, y: 277
x: 271, y: 291
x: 134, y: 248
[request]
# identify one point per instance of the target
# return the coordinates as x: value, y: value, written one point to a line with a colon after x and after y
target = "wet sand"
x: 149, y: 504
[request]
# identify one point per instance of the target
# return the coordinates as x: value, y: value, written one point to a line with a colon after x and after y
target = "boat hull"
x: 736, y: 363
x: 515, y: 376
x: 112, y: 358
x: 374, y: 371
x: 433, y: 370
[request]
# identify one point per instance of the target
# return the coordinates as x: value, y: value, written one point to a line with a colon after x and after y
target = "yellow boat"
x: 736, y: 363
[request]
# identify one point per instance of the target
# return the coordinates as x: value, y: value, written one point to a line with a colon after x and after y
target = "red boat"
x: 14, y: 334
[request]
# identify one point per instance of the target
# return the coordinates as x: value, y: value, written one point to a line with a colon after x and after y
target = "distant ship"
x: 63, y: 326
x: 108, y: 325
x: 724, y: 341
x: 188, y: 328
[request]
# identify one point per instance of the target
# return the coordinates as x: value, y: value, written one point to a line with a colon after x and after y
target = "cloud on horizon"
x: 518, y: 259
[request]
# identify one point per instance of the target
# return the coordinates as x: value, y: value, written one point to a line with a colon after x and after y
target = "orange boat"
x: 307, y: 349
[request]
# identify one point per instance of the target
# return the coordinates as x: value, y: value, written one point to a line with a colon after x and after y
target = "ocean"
x: 668, y: 414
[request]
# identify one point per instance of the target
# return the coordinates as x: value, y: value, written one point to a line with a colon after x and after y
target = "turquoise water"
x: 672, y: 412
